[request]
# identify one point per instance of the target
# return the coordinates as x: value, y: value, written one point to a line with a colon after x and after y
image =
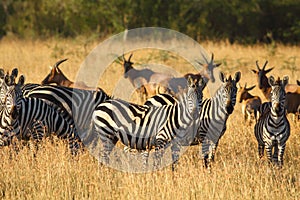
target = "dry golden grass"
x: 237, y: 172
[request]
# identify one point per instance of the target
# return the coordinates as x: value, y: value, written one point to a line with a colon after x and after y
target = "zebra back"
x: 78, y: 103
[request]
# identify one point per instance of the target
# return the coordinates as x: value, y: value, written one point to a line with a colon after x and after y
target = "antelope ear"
x: 268, y: 70
x: 254, y: 71
x: 51, y: 67
x: 285, y: 81
x: 251, y: 88
x: 271, y: 81
x: 217, y: 64
x: 237, y: 76
x: 222, y: 77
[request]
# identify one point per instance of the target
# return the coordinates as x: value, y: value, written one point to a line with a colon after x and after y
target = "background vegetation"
x: 241, y: 21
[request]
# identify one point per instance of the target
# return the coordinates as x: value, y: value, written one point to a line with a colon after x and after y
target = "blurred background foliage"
x: 245, y: 22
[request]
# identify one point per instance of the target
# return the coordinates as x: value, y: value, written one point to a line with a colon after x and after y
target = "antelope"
x: 145, y: 80
x: 250, y: 103
x: 177, y: 84
x: 58, y: 77
x: 292, y: 101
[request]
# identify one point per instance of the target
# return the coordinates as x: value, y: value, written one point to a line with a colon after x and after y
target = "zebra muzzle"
x: 14, y: 112
x: 229, y: 108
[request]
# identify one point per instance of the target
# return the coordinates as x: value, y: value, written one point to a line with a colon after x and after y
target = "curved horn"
x: 129, y: 57
x: 265, y: 65
x: 212, y: 58
x: 59, y: 62
x: 257, y: 65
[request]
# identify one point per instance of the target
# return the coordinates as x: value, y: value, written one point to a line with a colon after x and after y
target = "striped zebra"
x: 26, y: 118
x: 273, y: 129
x: 213, y: 117
x: 214, y: 114
x: 143, y: 127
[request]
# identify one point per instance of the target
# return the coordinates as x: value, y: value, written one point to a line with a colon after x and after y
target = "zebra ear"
x: 2, y: 73
x: 237, y: 77
x: 222, y: 77
x: 271, y: 81
x: 202, y: 82
x: 21, y: 80
x: 190, y: 81
x: 7, y: 79
x: 285, y: 81
x: 14, y: 72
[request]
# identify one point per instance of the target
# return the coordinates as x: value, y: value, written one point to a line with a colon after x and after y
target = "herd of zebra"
x: 174, y: 110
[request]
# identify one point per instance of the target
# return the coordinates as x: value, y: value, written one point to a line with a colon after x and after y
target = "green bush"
x: 238, y: 21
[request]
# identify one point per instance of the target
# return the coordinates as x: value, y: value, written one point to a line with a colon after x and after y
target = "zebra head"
x: 278, y: 94
x: 194, y: 92
x: 13, y: 94
x: 229, y: 90
x: 127, y: 64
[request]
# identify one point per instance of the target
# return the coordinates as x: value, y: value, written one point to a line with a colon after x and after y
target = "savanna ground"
x: 237, y: 172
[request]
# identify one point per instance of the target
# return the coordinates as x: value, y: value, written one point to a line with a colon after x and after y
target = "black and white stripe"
x: 273, y: 129
x: 214, y: 114
x: 26, y: 118
x: 144, y: 127
x: 79, y: 103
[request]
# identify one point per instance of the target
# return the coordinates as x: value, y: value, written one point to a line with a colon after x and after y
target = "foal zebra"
x: 145, y: 127
x: 273, y: 129
x: 26, y: 118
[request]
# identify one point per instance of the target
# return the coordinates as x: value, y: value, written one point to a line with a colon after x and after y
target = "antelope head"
x: 244, y: 91
x: 55, y: 75
x: 208, y: 68
x: 127, y: 64
x: 261, y: 75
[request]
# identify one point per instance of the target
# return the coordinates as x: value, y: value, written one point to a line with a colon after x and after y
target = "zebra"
x: 213, y: 116
x: 273, y: 128
x: 25, y: 118
x: 144, y: 127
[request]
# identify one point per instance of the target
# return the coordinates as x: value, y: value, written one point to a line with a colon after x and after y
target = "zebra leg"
x: 159, y: 151
x: 275, y: 154
x: 107, y: 148
x: 269, y: 149
x: 281, y: 149
x: 261, y: 149
x: 208, y: 151
x: 145, y: 155
x: 175, y: 149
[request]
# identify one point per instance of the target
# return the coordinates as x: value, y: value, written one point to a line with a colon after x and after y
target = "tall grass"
x: 52, y: 173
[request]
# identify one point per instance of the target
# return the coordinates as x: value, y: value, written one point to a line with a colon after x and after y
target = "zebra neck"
x: 218, y: 103
x: 186, y: 104
x: 277, y: 116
